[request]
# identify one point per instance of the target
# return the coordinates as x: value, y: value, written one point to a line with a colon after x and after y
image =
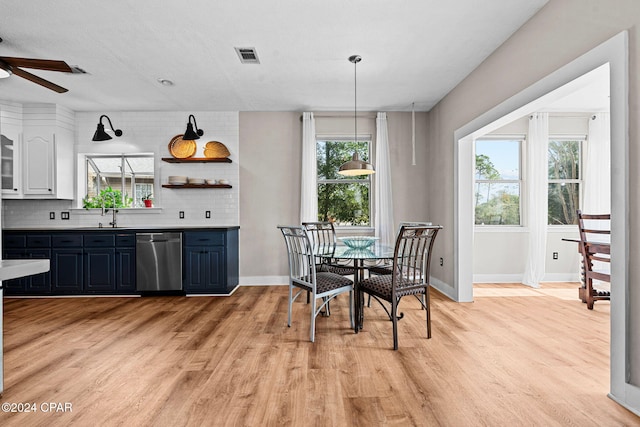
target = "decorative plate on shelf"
x: 216, y: 150
x: 181, y: 149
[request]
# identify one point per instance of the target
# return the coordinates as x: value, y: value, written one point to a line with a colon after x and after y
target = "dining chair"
x: 409, y: 274
x: 385, y: 267
x: 595, y: 248
x: 323, y: 238
x: 321, y: 285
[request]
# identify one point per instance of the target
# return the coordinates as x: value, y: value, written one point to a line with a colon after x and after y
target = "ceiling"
x: 414, y: 51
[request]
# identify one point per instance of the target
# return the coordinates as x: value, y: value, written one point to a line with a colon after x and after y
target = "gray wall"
x: 562, y: 31
x: 270, y: 181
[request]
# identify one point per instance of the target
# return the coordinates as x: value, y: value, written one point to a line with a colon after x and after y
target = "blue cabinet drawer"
x: 203, y: 238
x: 67, y: 240
x: 101, y: 240
x: 39, y: 241
x: 14, y: 241
x: 125, y: 240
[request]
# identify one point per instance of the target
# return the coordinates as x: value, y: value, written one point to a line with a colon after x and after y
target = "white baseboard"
x: 264, y: 281
x: 444, y: 288
x: 517, y: 278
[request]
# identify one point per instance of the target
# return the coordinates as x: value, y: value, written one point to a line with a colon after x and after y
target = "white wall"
x: 148, y: 132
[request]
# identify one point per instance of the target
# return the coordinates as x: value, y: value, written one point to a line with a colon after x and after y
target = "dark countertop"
x: 142, y: 229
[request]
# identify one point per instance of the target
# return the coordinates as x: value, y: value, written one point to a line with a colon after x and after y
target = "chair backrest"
x: 302, y: 268
x: 412, y: 256
x: 322, y: 235
x: 595, y: 238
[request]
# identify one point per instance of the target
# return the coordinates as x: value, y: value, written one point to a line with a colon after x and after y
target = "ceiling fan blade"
x: 40, y: 64
x: 38, y: 80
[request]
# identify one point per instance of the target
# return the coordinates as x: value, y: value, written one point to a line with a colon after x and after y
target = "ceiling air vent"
x: 247, y: 55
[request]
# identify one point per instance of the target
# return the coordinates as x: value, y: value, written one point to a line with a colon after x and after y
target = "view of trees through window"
x: 497, y: 199
x: 131, y: 175
x: 564, y: 181
x: 342, y: 199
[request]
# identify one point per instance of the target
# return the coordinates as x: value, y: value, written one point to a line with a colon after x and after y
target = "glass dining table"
x: 375, y: 252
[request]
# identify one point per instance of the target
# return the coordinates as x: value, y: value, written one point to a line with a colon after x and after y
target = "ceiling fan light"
x: 5, y: 71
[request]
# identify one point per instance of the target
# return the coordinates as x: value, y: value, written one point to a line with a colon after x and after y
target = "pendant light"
x: 355, y: 166
x: 190, y: 134
x: 100, y: 134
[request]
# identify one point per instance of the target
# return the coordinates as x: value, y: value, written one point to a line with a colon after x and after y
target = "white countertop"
x: 14, y: 268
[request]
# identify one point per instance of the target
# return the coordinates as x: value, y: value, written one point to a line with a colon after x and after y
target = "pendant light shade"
x: 190, y: 134
x: 101, y: 135
x: 355, y: 166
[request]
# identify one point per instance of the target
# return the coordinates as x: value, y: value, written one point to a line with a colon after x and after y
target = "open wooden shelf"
x: 195, y: 160
x: 197, y: 186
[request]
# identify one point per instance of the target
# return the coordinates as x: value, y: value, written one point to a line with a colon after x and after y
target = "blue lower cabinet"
x: 67, y: 270
x: 25, y: 247
x: 210, y: 261
x: 99, y: 270
x: 38, y: 284
x: 125, y: 270
x: 204, y: 269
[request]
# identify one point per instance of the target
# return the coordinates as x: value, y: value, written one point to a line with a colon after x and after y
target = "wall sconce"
x: 100, y: 134
x: 189, y: 134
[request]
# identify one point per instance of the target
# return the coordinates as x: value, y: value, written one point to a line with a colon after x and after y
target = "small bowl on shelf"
x: 223, y: 181
x: 196, y: 181
x: 358, y: 242
x: 210, y: 181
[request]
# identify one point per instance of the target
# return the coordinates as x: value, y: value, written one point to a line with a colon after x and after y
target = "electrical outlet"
x: 441, y: 261
x: 181, y: 214
x: 52, y: 215
x: 64, y: 215
x: 555, y: 255
x: 207, y: 214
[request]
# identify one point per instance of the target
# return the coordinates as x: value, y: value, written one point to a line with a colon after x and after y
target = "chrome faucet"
x: 114, y: 222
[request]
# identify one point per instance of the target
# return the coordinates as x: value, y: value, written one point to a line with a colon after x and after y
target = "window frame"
x: 582, y: 139
x: 349, y: 180
x: 521, y: 139
x: 84, y: 159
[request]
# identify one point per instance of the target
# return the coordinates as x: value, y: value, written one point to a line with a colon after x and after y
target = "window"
x: 564, y: 180
x: 129, y: 176
x: 498, y: 181
x: 345, y: 200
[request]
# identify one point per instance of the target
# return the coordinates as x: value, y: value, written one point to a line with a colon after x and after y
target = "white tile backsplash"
x: 149, y: 132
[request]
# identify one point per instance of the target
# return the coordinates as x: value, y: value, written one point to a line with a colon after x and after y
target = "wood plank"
x: 515, y: 356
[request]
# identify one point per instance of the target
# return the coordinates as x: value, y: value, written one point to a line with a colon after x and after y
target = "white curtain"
x: 385, y: 228
x: 537, y: 183
x: 596, y: 175
x: 308, y: 188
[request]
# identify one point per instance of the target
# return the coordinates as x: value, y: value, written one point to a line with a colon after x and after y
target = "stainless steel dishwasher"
x: 159, y: 262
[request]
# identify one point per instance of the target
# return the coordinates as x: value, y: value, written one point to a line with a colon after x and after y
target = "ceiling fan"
x: 11, y: 65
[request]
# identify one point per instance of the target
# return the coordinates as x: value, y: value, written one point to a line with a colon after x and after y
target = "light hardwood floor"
x: 513, y: 357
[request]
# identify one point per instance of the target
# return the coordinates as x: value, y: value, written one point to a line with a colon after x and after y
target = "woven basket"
x: 181, y: 149
x: 216, y: 150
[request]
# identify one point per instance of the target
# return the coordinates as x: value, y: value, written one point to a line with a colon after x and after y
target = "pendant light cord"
x: 355, y: 101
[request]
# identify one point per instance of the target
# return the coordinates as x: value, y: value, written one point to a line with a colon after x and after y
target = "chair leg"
x: 351, y: 297
x: 394, y: 319
x: 427, y: 300
x: 589, y: 293
x: 290, y: 304
x: 313, y: 318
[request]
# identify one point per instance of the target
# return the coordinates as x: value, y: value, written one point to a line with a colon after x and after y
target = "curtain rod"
x: 346, y: 116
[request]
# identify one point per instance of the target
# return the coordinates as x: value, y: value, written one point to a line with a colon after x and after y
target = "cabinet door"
x: 125, y: 269
x: 38, y: 284
x: 10, y: 149
x: 195, y: 268
x: 204, y: 269
x: 99, y: 270
x: 66, y: 270
x: 38, y: 165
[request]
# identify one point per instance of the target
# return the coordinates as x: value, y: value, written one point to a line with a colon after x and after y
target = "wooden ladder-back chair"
x: 323, y: 286
x: 410, y: 275
x: 595, y: 232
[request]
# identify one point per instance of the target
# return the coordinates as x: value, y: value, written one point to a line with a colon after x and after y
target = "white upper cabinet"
x: 43, y: 165
x: 11, y: 149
